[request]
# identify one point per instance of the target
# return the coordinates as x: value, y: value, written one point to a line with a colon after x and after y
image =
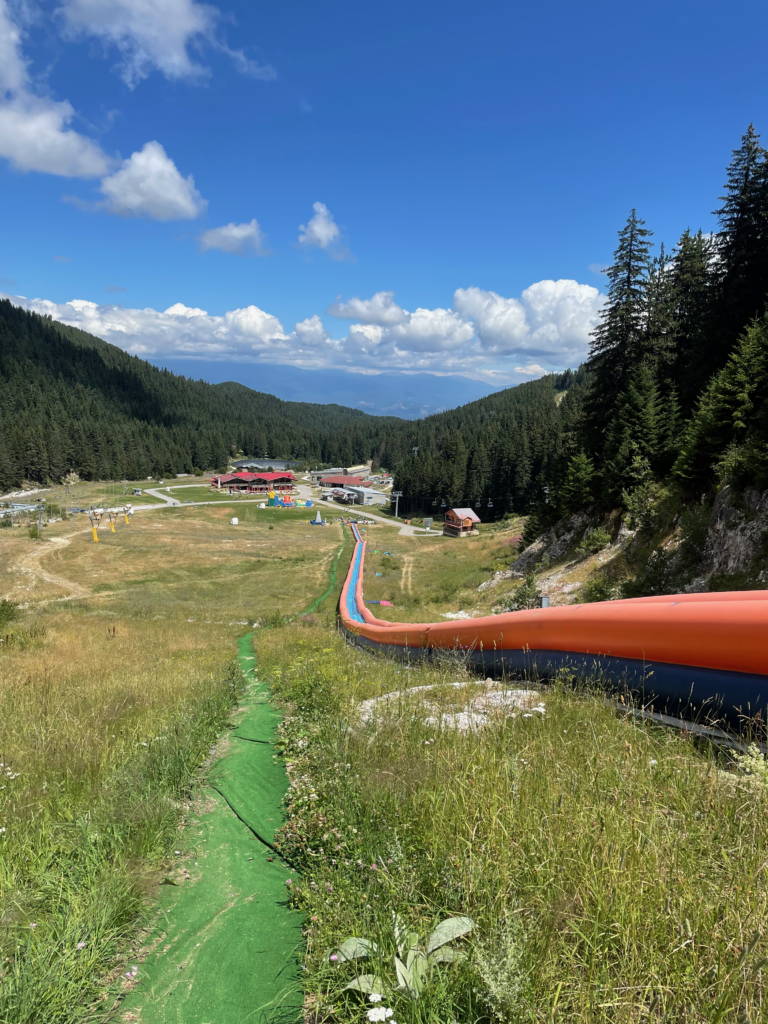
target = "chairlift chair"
x: 490, y: 503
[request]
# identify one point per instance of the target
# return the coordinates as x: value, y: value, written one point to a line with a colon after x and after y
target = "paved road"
x: 305, y: 491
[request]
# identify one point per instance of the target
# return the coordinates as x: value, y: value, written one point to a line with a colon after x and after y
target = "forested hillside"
x: 504, y: 449
x: 69, y: 401
x: 675, y: 387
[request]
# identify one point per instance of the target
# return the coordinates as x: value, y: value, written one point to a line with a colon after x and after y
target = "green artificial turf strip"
x: 226, y: 939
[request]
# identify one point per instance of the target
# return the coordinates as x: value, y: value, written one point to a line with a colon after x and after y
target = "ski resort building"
x: 253, y: 483
x: 460, y: 522
x: 341, y: 481
x: 367, y: 495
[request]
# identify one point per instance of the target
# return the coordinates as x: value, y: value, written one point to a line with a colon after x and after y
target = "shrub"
x: 598, y: 588
x: 594, y: 540
x: 8, y: 612
x: 526, y: 596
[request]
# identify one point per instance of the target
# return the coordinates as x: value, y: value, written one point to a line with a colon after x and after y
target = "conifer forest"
x: 674, y: 388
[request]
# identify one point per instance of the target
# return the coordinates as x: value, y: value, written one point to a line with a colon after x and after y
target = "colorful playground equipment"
x: 696, y: 655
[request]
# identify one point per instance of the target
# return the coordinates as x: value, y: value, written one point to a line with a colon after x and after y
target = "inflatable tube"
x: 696, y: 655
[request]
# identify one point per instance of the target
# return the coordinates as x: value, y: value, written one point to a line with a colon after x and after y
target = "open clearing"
x: 612, y: 872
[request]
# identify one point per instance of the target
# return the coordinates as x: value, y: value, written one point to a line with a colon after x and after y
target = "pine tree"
x: 742, y: 249
x: 620, y: 341
x: 576, y: 492
x: 692, y: 280
x: 658, y: 343
x: 633, y: 444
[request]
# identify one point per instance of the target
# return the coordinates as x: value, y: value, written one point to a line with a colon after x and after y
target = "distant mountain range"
x: 409, y: 396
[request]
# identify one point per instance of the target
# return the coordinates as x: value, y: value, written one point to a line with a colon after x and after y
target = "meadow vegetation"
x: 425, y: 576
x: 613, y: 871
x: 110, y: 703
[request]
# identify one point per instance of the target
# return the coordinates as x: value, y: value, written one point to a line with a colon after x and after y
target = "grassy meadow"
x: 425, y: 576
x: 116, y: 680
x: 614, y: 872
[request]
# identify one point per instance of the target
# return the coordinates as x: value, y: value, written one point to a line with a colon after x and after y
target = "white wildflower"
x: 374, y: 997
x: 379, y: 1013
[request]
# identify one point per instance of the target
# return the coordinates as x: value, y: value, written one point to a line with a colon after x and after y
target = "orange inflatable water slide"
x: 700, y: 655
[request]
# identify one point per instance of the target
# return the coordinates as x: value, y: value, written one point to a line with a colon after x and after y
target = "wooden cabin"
x: 460, y: 522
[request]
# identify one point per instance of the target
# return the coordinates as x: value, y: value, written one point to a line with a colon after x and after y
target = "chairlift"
x: 490, y: 503
x: 434, y: 502
x: 442, y: 504
x: 477, y: 503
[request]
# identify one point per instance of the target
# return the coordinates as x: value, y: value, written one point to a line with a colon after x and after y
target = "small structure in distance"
x: 460, y: 522
x: 367, y: 495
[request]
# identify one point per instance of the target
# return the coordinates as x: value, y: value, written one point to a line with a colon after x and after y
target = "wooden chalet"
x: 460, y: 522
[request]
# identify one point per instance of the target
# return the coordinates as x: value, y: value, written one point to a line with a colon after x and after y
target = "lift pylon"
x: 95, y: 514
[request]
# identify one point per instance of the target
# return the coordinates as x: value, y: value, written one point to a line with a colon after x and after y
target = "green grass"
x: 614, y: 871
x: 109, y: 705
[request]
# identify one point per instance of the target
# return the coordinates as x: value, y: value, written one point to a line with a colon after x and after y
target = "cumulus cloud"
x: 531, y: 370
x: 149, y: 185
x: 34, y: 132
x: 322, y: 232
x: 239, y: 239
x: 155, y: 35
x: 484, y: 336
x: 381, y: 309
x: 34, y: 136
x: 551, y: 318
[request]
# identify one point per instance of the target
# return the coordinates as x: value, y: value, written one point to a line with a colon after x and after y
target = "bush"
x: 598, y: 588
x: 594, y: 540
x: 8, y: 612
x: 526, y: 596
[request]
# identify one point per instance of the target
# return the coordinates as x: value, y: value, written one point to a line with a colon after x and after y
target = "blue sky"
x: 475, y: 161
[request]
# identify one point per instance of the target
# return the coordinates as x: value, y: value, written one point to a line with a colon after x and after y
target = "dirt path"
x: 406, y: 579
x: 30, y: 568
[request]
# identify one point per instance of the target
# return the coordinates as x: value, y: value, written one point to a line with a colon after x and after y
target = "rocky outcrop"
x: 552, y: 545
x: 736, y: 532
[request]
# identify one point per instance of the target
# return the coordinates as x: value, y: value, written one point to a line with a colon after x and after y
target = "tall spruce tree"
x: 692, y: 281
x: 620, y: 341
x: 742, y: 251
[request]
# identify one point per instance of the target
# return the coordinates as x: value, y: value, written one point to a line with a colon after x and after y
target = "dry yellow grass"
x: 157, y: 608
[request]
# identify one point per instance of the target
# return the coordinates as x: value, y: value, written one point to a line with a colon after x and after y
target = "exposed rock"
x: 462, y: 706
x: 735, y: 535
x: 552, y: 544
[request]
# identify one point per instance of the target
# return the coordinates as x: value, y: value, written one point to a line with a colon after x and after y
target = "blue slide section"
x: 354, y: 576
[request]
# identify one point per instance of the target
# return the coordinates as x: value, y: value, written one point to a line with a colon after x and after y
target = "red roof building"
x: 253, y: 483
x: 341, y: 481
x: 460, y: 522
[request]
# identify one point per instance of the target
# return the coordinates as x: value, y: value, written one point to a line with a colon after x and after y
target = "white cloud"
x: 34, y: 132
x: 322, y: 232
x: 311, y: 331
x: 552, y: 318
x: 486, y: 336
x: 381, y: 309
x: 149, y: 185
x: 155, y: 34
x: 240, y: 239
x: 13, y: 67
x: 531, y: 370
